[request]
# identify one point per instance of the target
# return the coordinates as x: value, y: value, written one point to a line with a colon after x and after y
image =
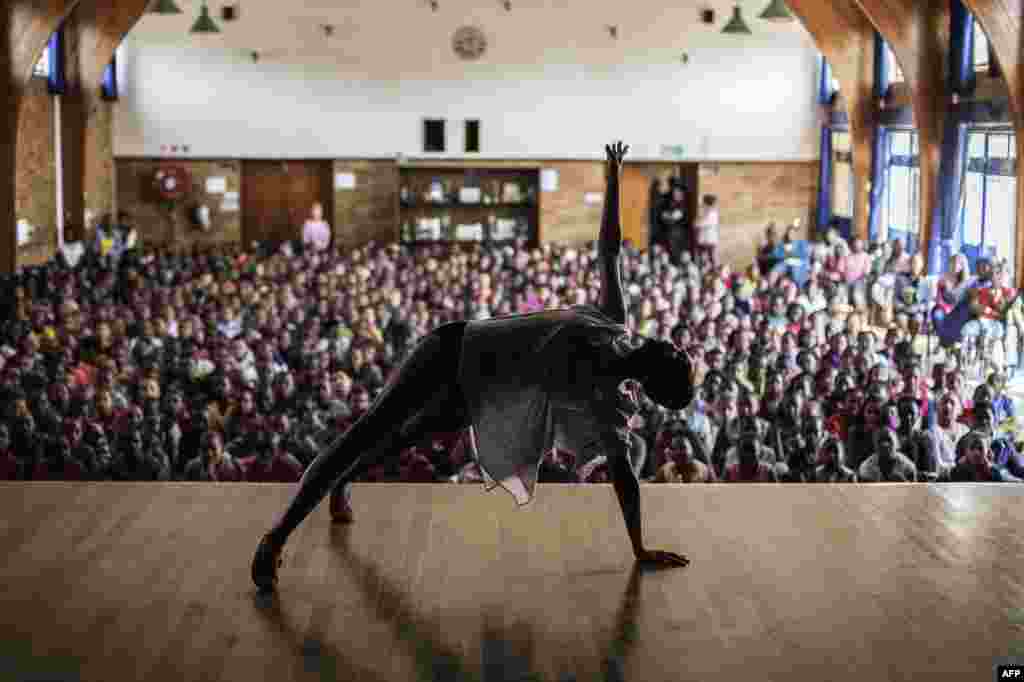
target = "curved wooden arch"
x: 1003, y: 23
x: 846, y: 37
x: 25, y: 28
x: 101, y: 26
x: 94, y: 30
x: 918, y: 33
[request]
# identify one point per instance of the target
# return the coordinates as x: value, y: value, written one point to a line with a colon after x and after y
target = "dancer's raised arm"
x: 612, y: 302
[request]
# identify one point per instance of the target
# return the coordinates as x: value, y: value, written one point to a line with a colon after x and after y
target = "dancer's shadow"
x: 507, y: 650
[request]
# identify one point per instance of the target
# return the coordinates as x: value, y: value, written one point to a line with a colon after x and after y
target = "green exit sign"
x: 675, y: 151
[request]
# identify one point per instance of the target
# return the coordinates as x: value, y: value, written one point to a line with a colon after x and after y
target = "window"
x: 990, y: 196
x: 982, y: 53
x: 842, y: 175
x: 42, y: 67
x: 828, y: 83
x: 893, y: 66
x: 472, y: 135
x: 433, y: 135
x: 902, y: 202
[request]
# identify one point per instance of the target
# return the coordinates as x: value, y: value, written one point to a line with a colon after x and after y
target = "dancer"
x: 524, y: 383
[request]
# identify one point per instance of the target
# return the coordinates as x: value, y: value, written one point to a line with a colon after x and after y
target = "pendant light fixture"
x: 204, y: 24
x: 777, y: 12
x: 736, y: 25
x: 164, y: 7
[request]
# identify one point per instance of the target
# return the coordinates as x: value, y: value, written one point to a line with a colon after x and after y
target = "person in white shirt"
x: 706, y: 229
x: 316, y: 232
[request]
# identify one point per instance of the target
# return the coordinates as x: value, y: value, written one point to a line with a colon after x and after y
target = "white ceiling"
x: 404, y: 38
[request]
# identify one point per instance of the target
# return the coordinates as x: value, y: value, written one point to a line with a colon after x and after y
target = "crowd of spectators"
x: 241, y: 364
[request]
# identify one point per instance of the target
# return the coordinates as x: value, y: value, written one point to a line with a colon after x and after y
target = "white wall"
x: 727, y: 103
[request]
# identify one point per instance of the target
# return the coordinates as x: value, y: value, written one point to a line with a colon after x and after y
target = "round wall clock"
x: 469, y: 42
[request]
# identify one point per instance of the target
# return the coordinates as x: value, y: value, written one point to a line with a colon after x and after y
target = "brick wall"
x: 563, y: 214
x: 35, y: 174
x: 370, y: 211
x: 158, y: 227
x: 750, y: 195
x: 98, y: 161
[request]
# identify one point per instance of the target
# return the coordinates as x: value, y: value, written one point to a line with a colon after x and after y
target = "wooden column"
x: 846, y: 37
x: 1002, y: 24
x: 24, y: 29
x: 94, y: 31
x: 918, y: 33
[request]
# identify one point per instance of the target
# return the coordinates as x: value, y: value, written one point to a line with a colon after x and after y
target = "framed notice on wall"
x: 216, y: 185
x: 344, y: 180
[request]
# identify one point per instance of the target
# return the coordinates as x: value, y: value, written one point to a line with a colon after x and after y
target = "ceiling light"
x: 164, y: 7
x: 776, y: 11
x: 736, y: 24
x: 204, y: 24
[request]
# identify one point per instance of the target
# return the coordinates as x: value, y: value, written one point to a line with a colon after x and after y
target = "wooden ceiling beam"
x: 845, y: 36
x: 918, y: 33
x: 25, y: 28
x: 101, y: 25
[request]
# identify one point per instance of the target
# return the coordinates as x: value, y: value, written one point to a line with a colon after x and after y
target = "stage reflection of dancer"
x: 524, y: 383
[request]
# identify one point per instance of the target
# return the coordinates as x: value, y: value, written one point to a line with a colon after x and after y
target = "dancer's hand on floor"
x: 661, y: 558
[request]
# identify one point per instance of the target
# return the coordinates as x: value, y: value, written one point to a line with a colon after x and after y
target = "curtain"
x: 881, y: 68
x: 55, y: 81
x: 946, y: 223
x: 879, y: 178
x: 962, y: 79
x: 825, y: 180
x: 108, y: 87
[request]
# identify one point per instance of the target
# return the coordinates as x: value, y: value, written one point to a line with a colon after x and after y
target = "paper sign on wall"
x: 344, y: 181
x: 230, y: 202
x: 592, y: 198
x: 216, y: 185
x: 548, y: 180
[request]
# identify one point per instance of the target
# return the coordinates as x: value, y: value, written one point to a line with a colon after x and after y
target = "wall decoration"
x: 469, y: 43
x: 216, y: 185
x: 344, y: 180
x: 230, y: 203
x: 26, y: 231
x: 549, y: 180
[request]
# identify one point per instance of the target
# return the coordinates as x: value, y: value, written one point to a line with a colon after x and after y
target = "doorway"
x: 277, y: 197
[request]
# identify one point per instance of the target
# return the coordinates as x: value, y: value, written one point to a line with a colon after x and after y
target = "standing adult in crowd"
x: 316, y: 232
x: 670, y: 227
x: 706, y: 232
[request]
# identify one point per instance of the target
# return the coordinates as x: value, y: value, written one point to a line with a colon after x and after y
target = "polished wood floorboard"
x: 114, y: 581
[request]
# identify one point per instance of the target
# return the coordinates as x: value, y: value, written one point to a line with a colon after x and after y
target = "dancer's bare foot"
x: 341, y: 508
x: 266, y: 562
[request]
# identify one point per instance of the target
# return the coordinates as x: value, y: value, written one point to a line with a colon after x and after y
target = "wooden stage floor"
x: 115, y: 581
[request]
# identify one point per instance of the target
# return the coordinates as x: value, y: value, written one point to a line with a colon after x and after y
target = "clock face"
x: 469, y: 42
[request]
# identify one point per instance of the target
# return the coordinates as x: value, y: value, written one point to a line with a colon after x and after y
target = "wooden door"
x: 635, y: 205
x: 637, y: 181
x: 278, y: 196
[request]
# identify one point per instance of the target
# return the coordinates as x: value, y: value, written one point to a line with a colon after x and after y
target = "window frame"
x: 893, y: 69
x: 41, y: 69
x: 987, y: 168
x: 912, y: 162
x: 986, y: 65
x: 842, y: 156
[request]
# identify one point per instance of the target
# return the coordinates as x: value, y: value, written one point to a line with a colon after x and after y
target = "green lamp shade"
x: 736, y: 24
x: 777, y: 11
x: 164, y: 7
x: 204, y: 24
